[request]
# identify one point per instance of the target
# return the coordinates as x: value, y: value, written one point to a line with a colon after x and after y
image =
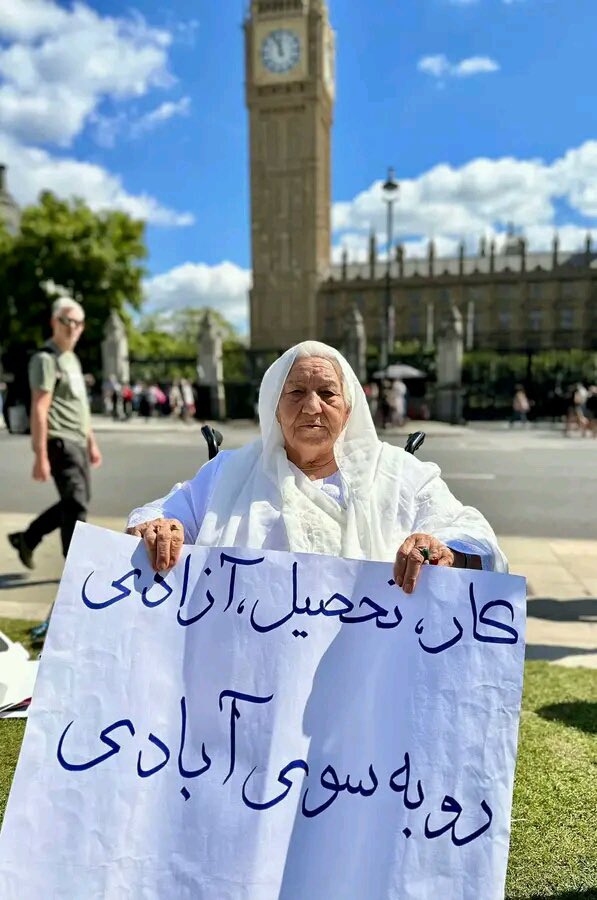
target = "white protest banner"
x: 259, y: 725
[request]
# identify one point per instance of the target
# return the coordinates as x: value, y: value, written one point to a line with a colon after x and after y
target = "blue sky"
x: 486, y: 109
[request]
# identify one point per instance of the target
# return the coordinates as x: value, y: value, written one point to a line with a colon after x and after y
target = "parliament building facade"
x: 511, y: 300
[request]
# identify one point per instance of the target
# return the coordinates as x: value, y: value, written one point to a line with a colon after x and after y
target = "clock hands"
x: 281, y: 51
x: 279, y: 44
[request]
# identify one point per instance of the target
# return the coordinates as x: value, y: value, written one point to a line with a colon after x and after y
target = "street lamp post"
x: 390, y: 191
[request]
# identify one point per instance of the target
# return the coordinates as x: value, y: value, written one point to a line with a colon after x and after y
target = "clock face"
x: 281, y: 51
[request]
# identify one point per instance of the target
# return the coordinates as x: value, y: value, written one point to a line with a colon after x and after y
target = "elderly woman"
x: 320, y: 481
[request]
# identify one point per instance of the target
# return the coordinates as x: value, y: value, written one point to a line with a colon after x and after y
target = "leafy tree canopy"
x: 177, y: 330
x: 167, y: 344
x: 96, y: 256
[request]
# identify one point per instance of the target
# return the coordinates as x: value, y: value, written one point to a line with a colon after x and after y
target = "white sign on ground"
x: 261, y: 725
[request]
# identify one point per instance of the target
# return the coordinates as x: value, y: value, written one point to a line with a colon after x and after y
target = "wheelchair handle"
x: 214, y: 440
x: 414, y: 442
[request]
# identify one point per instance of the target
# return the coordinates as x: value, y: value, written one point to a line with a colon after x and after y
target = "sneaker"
x: 38, y: 632
x: 17, y: 540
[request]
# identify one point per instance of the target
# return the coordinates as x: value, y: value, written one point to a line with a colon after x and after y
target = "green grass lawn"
x: 553, y: 851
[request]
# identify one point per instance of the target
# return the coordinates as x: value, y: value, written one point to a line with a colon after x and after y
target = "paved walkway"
x: 561, y: 574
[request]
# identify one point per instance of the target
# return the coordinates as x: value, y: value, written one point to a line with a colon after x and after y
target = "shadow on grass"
x: 577, y: 714
x: 589, y: 894
x: 551, y: 653
x: 582, y: 610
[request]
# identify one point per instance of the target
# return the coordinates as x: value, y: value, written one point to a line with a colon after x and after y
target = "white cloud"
x: 440, y: 67
x: 475, y: 65
x: 481, y: 197
x: 58, y: 66
x: 576, y: 175
x: 32, y: 170
x: 108, y: 129
x: 161, y: 113
x: 28, y: 19
x: 224, y: 287
x: 54, y: 76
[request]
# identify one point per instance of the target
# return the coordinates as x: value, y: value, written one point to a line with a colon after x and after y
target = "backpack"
x: 17, y: 401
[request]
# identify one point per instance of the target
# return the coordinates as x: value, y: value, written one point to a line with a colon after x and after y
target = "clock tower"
x: 290, y: 97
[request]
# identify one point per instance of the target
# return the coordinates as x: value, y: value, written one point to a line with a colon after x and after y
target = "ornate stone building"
x: 509, y: 300
x: 513, y: 300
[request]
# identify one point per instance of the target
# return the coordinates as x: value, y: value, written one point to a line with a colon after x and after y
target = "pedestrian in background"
x: 372, y: 394
x: 591, y: 409
x: 61, y: 435
x: 576, y: 410
x: 175, y: 399
x: 520, y: 406
x: 386, y: 404
x: 127, y: 401
x: 399, y: 401
x: 188, y: 400
x: 147, y: 401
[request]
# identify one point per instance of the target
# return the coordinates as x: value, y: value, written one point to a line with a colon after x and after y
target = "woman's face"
x: 312, y: 411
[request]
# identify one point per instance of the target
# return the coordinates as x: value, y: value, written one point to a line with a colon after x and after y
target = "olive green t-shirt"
x: 61, y: 374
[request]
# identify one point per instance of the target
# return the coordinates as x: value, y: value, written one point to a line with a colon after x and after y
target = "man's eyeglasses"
x: 76, y: 323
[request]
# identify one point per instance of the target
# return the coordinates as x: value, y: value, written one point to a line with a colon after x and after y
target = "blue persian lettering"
x: 183, y: 598
x: 492, y: 623
x: 234, y: 716
x: 104, y: 738
x: 184, y: 772
x: 123, y: 591
x: 478, y: 618
x: 403, y: 788
x: 235, y: 561
x: 399, y: 781
x: 450, y: 805
x: 161, y: 581
x: 145, y: 773
x: 486, y: 628
x: 446, y: 644
x: 268, y: 804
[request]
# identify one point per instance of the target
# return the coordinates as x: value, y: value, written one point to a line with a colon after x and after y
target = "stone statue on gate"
x: 449, y: 354
x: 115, y: 350
x: 210, y: 363
x: 355, y: 343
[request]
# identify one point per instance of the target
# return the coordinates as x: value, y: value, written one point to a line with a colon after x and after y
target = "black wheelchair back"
x: 214, y: 441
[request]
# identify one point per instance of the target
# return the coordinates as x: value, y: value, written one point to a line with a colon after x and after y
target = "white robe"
x: 253, y: 497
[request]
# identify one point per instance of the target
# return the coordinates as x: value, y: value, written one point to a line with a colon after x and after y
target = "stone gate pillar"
x: 210, y: 364
x: 355, y: 343
x: 450, y: 340
x: 115, y: 350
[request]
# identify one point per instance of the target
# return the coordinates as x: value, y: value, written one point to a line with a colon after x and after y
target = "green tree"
x: 96, y: 256
x: 165, y: 345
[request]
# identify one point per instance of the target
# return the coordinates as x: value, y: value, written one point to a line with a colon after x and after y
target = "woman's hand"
x: 163, y: 539
x: 410, y: 558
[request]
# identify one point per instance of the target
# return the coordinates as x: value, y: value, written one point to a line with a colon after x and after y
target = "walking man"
x: 61, y: 436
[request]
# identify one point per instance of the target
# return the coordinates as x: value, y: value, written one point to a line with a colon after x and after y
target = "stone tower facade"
x: 290, y: 95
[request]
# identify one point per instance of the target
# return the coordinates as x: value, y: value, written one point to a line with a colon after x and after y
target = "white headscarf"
x: 256, y: 486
